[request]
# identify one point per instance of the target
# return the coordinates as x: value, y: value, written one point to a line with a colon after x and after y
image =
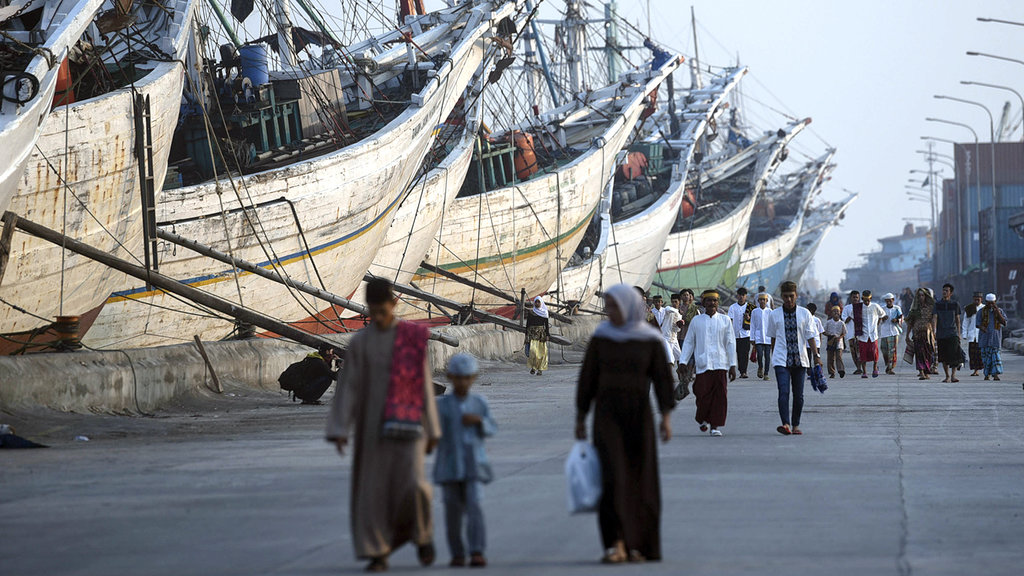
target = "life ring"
x: 33, y: 84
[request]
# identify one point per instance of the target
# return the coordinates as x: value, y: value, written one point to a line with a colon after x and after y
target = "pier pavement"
x: 893, y: 476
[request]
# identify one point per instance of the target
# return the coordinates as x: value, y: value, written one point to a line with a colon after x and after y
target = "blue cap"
x: 463, y: 364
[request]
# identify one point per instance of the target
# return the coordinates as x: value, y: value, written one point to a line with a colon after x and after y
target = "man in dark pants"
x: 792, y: 331
x: 309, y: 378
x: 739, y: 312
x: 947, y: 332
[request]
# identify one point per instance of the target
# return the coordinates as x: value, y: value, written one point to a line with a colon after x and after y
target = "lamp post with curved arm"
x: 1008, y: 89
x: 983, y: 19
x: 995, y: 190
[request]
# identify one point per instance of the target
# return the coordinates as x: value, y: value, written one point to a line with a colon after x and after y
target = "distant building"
x: 964, y: 237
x: 897, y: 265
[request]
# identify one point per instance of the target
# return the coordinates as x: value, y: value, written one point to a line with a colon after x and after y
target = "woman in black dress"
x: 624, y: 356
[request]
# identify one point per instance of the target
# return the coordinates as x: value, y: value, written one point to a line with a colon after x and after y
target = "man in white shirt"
x: 863, y: 318
x: 889, y: 331
x: 711, y: 342
x: 792, y: 332
x: 667, y: 319
x: 739, y: 312
x: 969, y: 332
x: 759, y: 335
x: 762, y: 291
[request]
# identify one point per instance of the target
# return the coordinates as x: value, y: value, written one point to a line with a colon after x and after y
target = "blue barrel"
x: 255, y: 66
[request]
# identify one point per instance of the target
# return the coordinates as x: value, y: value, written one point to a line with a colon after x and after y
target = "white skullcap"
x: 990, y: 297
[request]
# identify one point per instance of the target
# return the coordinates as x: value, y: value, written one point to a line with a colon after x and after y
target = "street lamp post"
x: 998, y: 87
x: 995, y: 192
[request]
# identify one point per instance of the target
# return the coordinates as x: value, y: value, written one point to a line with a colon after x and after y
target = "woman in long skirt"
x: 624, y: 356
x: 537, y: 336
x: 921, y: 324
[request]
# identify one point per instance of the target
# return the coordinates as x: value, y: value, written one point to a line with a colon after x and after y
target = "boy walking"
x: 461, y: 468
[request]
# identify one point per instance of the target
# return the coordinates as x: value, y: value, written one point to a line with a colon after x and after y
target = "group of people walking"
x: 385, y: 397
x: 934, y: 332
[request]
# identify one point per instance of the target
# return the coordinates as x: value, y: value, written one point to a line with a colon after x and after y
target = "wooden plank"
x: 10, y: 222
x: 275, y: 276
x: 477, y: 314
x: 213, y: 373
x: 492, y: 291
x: 174, y: 287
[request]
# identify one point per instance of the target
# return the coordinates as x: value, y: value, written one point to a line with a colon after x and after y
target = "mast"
x: 228, y: 27
x: 285, y: 47
x: 530, y: 38
x: 574, y: 26
x: 611, y: 40
x: 696, y: 82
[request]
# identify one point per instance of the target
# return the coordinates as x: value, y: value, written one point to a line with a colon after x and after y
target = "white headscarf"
x: 635, y: 327
x: 543, y: 310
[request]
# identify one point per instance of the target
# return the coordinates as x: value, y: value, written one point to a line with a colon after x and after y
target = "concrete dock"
x: 893, y: 476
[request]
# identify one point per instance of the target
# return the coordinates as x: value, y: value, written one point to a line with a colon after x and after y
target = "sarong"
x: 867, y: 351
x: 711, y: 393
x: 923, y: 355
x: 974, y: 353
x: 993, y: 362
x: 889, y: 346
x: 949, y: 351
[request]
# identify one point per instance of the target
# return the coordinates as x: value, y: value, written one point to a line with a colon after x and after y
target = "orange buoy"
x: 689, y: 204
x: 65, y: 91
x: 525, y: 157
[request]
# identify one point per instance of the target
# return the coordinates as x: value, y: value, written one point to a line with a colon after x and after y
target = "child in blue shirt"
x: 461, y: 467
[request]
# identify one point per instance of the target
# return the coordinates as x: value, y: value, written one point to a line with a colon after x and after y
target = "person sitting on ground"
x: 310, y: 377
x: 461, y: 468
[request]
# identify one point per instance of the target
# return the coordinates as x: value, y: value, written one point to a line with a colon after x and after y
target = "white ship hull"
x: 706, y: 256
x: 319, y: 221
x: 579, y: 284
x: 517, y: 238
x: 766, y: 263
x: 637, y: 242
x: 20, y: 123
x: 82, y: 179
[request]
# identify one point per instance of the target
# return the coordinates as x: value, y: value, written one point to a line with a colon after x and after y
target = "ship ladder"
x: 144, y: 158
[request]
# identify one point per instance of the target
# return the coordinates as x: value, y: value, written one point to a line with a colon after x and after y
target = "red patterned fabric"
x: 403, y: 410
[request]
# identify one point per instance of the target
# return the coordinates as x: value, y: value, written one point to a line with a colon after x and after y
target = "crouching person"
x: 310, y: 377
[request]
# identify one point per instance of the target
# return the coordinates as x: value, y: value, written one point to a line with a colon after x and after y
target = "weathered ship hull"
x: 579, y: 284
x: 707, y: 256
x: 82, y: 178
x: 20, y: 123
x: 638, y: 241
x: 766, y: 264
x: 320, y: 221
x: 518, y: 238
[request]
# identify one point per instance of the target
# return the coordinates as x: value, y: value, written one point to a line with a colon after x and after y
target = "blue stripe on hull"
x: 769, y: 277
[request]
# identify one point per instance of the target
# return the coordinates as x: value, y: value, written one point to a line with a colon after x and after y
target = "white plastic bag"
x: 583, y: 478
